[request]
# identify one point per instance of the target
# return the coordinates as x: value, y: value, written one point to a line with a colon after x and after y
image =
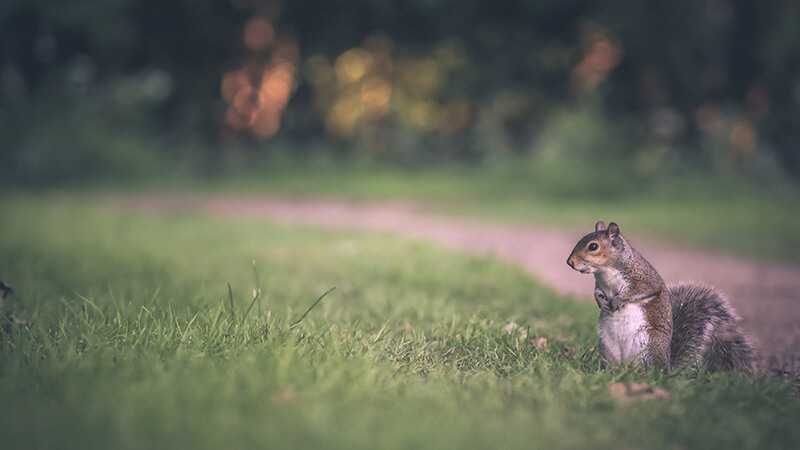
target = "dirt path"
x: 766, y: 295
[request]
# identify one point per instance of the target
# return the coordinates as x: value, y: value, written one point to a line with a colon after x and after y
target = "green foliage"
x: 108, y: 23
x: 97, y: 134
x: 706, y: 85
x: 78, y: 145
x: 133, y: 341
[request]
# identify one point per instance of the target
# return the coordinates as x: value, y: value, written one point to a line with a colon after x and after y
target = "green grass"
x: 724, y: 214
x: 134, y: 341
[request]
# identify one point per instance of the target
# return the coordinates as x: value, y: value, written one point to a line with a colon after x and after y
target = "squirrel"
x: 644, y: 320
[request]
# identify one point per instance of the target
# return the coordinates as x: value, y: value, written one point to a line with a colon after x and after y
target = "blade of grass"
x: 188, y: 326
x: 93, y: 305
x: 230, y: 299
x: 256, y: 297
x: 313, y: 305
x: 258, y: 288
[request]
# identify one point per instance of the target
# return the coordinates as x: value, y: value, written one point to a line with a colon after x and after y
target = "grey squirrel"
x: 644, y: 320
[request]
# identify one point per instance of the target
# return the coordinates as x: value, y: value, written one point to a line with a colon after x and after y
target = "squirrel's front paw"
x: 602, y: 301
x: 615, y: 304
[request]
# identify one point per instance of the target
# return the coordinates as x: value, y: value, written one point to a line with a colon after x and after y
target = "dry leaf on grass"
x: 627, y: 393
x: 539, y: 342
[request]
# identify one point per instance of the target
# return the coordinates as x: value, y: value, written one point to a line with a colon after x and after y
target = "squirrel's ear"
x: 600, y: 226
x: 613, y: 230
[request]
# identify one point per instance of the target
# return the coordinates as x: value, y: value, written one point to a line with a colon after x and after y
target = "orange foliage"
x: 258, y: 93
x: 601, y: 54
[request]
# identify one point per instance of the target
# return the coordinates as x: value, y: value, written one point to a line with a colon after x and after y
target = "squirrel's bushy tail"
x: 705, y: 331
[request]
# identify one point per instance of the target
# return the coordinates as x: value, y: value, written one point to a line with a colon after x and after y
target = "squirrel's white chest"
x: 623, y: 334
x: 611, y: 282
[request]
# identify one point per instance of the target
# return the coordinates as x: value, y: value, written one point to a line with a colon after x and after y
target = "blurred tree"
x: 711, y: 82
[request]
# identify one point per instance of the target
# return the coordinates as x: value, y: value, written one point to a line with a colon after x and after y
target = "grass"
x: 135, y: 340
x: 727, y: 215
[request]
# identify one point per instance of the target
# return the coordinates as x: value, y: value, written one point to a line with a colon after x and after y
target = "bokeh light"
x: 601, y: 54
x: 259, y: 90
x: 352, y: 65
x: 709, y: 118
x: 743, y: 138
x: 365, y: 85
x: 258, y: 34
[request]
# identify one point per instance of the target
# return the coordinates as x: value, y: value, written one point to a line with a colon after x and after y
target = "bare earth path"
x: 766, y: 295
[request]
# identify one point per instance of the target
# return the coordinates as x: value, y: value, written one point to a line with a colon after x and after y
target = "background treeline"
x: 119, y: 88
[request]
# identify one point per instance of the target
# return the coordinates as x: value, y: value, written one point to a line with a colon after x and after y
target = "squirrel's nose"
x: 570, y: 263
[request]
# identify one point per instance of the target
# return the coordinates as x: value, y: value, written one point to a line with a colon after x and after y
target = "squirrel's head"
x: 594, y: 250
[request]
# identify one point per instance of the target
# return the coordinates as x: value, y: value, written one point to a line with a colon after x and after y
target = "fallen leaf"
x: 284, y: 396
x: 628, y: 393
x: 539, y: 342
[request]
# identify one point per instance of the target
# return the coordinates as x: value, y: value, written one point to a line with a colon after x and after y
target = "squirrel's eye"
x: 593, y: 246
